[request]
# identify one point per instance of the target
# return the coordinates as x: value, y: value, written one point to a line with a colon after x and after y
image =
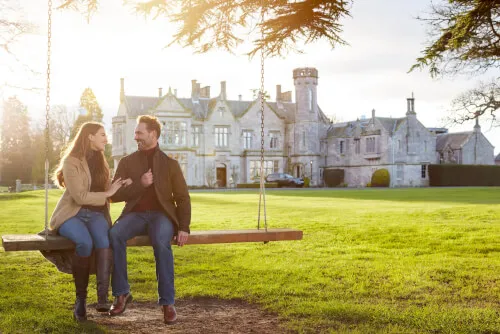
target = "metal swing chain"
x: 262, y: 197
x: 47, y: 112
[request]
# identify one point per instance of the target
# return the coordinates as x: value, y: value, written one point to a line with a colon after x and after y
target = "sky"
x: 371, y: 72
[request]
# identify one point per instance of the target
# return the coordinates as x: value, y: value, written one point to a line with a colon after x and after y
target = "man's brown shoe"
x: 120, y: 304
x: 169, y: 314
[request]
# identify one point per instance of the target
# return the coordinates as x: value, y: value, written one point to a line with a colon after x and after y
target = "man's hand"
x: 147, y: 179
x: 181, y: 238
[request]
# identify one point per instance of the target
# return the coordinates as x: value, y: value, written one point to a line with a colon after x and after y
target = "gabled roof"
x: 497, y: 158
x: 285, y: 110
x: 453, y: 140
x: 238, y: 108
x: 346, y: 129
x: 140, y: 105
x: 390, y: 124
x: 199, y: 108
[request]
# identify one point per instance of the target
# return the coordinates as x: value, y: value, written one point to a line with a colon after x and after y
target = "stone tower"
x: 306, y: 126
x: 306, y: 93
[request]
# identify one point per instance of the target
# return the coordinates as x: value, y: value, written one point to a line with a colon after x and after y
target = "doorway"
x: 221, y: 177
x: 297, y: 171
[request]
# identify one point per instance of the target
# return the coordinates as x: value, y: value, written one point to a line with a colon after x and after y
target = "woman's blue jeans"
x: 160, y: 231
x: 88, y: 229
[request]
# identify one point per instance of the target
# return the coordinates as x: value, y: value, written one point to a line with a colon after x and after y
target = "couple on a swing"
x: 157, y: 204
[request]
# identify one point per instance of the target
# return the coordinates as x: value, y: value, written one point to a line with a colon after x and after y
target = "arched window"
x: 310, y: 95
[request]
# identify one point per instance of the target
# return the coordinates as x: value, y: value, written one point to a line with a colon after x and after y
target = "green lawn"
x: 373, y: 260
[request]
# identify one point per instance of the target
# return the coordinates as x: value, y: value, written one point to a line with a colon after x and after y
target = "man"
x: 157, y: 204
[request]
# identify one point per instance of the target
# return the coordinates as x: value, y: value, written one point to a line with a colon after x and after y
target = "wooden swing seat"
x: 35, y: 242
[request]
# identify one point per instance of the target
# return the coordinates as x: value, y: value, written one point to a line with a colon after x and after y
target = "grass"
x: 372, y: 261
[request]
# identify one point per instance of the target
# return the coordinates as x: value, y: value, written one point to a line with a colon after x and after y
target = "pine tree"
x: 88, y: 101
x: 91, y: 108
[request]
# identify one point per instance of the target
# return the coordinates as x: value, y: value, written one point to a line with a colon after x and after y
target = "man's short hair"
x: 151, y: 122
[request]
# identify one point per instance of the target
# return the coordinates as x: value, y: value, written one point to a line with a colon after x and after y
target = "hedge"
x: 448, y: 175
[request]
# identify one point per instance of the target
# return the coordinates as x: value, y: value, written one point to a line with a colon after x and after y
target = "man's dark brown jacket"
x: 169, y: 183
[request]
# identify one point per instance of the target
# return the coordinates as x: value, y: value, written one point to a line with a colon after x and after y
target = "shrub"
x: 333, y: 177
x: 381, y: 178
x: 307, y: 182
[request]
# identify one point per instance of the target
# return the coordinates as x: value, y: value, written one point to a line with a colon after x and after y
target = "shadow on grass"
x: 465, y: 195
x: 14, y: 196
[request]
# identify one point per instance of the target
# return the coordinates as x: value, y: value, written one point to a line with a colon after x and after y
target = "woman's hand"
x: 114, y: 187
x: 127, y: 182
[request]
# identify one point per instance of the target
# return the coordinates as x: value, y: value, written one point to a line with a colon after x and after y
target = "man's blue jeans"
x: 160, y: 231
x: 87, y: 229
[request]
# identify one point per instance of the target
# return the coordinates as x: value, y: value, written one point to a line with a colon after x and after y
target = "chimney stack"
x: 205, y: 92
x: 286, y: 96
x: 160, y: 92
x: 477, y: 127
x: 223, y: 90
x: 122, y: 90
x: 195, y: 93
x: 278, y: 93
x: 411, y: 105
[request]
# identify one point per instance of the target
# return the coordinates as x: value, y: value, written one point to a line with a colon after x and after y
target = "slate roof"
x: 139, y: 105
x: 454, y: 140
x: 390, y: 124
x: 346, y: 129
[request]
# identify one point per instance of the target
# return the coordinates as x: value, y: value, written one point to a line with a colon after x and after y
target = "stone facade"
x: 217, y: 141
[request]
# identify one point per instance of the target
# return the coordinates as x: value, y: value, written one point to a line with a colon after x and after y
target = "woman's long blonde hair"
x: 79, y: 148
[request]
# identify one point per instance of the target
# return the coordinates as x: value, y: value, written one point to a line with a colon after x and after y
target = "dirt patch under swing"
x: 197, y: 315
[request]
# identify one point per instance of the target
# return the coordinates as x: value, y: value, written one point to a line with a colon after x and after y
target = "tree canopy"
x: 215, y: 24
x: 465, y: 39
x: 12, y: 28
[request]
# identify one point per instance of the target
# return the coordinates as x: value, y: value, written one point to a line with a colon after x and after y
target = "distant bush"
x: 333, y: 177
x: 381, y: 178
x: 368, y: 185
x: 307, y: 182
x: 257, y: 185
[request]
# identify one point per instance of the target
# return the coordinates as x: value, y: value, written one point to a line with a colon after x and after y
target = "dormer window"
x: 221, y: 112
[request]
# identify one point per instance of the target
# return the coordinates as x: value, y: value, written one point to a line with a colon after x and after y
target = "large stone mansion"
x: 217, y: 140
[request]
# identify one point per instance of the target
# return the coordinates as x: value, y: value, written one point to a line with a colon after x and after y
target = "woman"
x: 82, y: 213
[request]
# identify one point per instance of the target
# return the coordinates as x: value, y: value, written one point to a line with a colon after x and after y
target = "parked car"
x: 285, y: 180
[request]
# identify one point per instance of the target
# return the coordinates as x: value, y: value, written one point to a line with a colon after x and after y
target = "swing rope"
x: 262, y: 196
x: 47, y: 115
